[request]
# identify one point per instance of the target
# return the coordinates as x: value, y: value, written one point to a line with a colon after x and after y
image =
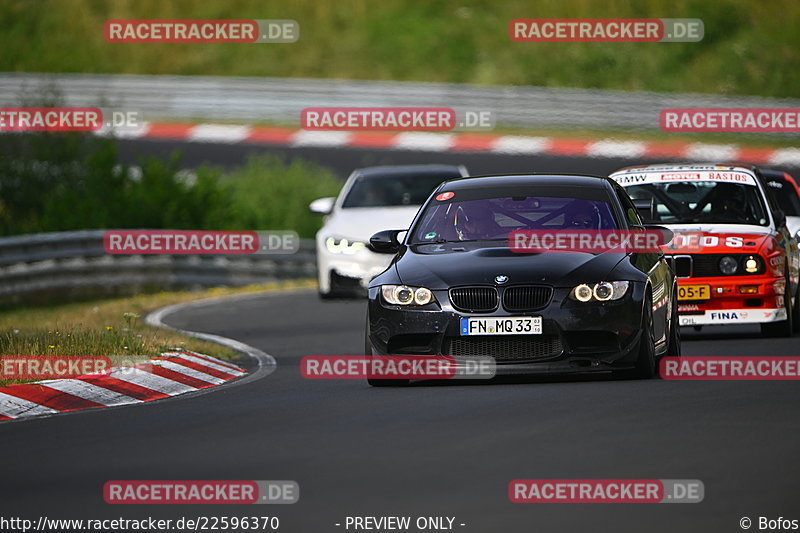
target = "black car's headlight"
x: 602, y: 291
x: 405, y: 295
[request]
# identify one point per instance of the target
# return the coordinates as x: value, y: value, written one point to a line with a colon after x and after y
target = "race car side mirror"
x: 385, y: 242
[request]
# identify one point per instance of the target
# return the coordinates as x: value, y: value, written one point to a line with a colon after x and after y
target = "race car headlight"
x: 343, y: 246
x: 602, y: 291
x: 751, y: 264
x: 405, y: 295
x: 728, y: 265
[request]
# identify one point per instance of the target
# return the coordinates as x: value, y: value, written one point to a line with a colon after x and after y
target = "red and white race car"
x: 735, y: 260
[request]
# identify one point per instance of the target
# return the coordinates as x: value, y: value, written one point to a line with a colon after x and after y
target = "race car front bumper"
x: 729, y: 304
x: 733, y: 316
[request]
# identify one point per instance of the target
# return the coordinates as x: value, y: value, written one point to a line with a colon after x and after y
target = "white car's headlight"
x: 602, y: 291
x: 343, y: 246
x: 405, y: 295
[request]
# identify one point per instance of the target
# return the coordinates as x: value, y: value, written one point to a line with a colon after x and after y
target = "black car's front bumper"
x: 576, y: 337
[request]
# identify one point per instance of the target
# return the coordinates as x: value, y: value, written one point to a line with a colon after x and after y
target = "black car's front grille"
x: 527, y: 298
x: 506, y: 348
x: 474, y: 299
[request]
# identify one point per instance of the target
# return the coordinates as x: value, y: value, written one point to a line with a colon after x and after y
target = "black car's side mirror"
x: 666, y: 233
x: 385, y: 242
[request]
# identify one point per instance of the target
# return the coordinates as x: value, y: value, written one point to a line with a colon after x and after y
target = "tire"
x: 674, y: 346
x: 646, y: 367
x: 784, y: 328
x: 369, y: 353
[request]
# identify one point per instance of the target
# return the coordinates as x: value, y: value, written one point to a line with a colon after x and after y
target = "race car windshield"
x: 393, y: 190
x: 490, y: 219
x: 708, y: 202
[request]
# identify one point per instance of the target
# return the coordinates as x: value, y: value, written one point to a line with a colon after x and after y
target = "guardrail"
x: 75, y: 262
x: 282, y: 99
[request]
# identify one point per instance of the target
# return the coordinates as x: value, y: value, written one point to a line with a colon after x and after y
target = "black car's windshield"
x: 389, y: 190
x: 489, y: 219
x: 710, y: 202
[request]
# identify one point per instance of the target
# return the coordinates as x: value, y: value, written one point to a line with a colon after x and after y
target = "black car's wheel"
x: 646, y: 362
x: 369, y: 353
x: 674, y: 346
x: 784, y: 328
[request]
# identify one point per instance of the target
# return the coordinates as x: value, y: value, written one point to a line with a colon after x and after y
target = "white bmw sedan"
x: 372, y: 199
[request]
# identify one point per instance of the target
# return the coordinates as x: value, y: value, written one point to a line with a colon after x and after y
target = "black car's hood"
x: 422, y: 267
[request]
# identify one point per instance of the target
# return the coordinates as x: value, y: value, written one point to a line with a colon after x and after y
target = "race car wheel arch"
x: 784, y: 328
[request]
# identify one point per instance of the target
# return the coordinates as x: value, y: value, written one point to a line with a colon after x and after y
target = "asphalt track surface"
x: 429, y: 449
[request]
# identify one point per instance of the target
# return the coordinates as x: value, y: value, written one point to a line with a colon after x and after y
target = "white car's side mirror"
x: 322, y: 206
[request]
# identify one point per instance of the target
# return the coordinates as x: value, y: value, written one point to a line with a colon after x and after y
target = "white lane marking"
x: 612, y: 148
x: 219, y: 133
x: 14, y: 407
x: 512, y: 144
x: 414, y: 140
x: 89, y: 391
x: 712, y: 152
x: 320, y: 138
x: 151, y: 381
x: 266, y: 363
x: 186, y: 371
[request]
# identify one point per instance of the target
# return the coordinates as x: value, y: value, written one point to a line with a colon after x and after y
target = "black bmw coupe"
x: 458, y: 287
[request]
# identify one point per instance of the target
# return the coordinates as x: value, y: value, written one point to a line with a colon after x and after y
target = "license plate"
x: 694, y: 292
x: 506, y: 325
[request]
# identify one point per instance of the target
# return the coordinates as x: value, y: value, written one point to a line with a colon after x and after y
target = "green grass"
x: 749, y: 47
x: 110, y: 327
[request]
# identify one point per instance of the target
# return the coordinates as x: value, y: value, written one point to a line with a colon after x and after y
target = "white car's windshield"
x: 393, y: 190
